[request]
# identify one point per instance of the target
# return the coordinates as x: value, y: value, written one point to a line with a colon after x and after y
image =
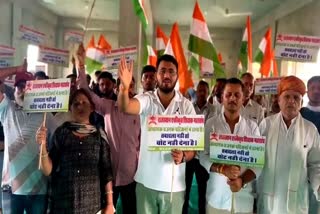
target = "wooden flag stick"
x: 232, y: 203
x: 171, y: 194
x: 41, y: 146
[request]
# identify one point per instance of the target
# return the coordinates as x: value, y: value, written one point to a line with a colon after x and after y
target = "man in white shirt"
x: 202, y: 107
x: 251, y: 109
x: 155, y: 170
x: 312, y: 113
x: 148, y: 78
x: 292, y: 155
x: 216, y: 94
x: 226, y: 180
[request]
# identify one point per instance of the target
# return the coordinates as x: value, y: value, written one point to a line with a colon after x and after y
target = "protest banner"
x: 30, y: 35
x: 54, y: 56
x: 265, y: 86
x: 74, y: 37
x: 50, y: 95
x: 247, y: 151
x: 167, y: 132
x: 113, y: 56
x: 297, y: 47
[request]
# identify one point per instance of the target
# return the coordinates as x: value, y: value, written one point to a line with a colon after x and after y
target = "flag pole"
x: 171, y: 194
x: 232, y: 203
x: 139, y: 54
x: 88, y: 18
x: 41, y: 146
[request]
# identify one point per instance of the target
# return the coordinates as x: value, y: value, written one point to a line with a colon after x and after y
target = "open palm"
x: 125, y: 73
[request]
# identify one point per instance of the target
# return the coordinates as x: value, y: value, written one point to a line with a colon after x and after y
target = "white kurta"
x: 253, y: 111
x: 219, y: 195
x: 310, y: 167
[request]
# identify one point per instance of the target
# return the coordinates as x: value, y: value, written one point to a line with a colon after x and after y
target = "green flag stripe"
x: 194, y: 65
x: 259, y: 56
x: 202, y: 48
x: 92, y: 65
x: 139, y: 12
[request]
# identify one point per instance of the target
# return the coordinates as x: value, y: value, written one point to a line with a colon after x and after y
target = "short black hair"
x: 118, y: 81
x: 105, y: 75
x: 114, y: 80
x: 97, y: 73
x: 312, y: 80
x: 234, y: 81
x: 72, y: 76
x: 88, y: 77
x: 148, y: 68
x: 167, y: 58
x: 224, y: 80
x: 204, y: 83
x: 40, y: 74
x: 247, y: 74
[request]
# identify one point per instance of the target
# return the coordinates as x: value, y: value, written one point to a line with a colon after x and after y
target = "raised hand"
x: 125, y: 73
x: 23, y: 67
x: 81, y: 55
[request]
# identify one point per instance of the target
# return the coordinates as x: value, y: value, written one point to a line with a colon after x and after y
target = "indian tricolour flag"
x: 94, y: 57
x: 152, y: 57
x: 245, y: 55
x: 202, y: 48
x: 264, y: 54
x: 161, y: 41
x: 141, y: 12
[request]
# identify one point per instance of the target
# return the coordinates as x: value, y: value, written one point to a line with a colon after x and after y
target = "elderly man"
x: 292, y: 154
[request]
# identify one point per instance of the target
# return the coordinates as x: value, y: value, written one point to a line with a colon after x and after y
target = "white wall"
x: 29, y: 13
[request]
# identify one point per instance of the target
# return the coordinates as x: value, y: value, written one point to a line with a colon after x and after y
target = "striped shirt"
x: 21, y: 154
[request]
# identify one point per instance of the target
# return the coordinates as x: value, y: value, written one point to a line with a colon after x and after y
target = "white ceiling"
x: 219, y: 13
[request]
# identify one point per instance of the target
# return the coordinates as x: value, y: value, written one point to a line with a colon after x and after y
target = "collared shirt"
x: 310, y: 170
x: 155, y: 168
x: 21, y: 156
x: 253, y: 111
x: 208, y: 110
x: 123, y: 134
x: 219, y: 195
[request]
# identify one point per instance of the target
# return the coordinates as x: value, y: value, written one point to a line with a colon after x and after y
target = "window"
x: 33, y: 64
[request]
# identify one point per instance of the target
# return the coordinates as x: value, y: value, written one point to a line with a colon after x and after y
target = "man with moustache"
x: 251, y: 109
x: 24, y: 186
x: 225, y: 180
x: 148, y: 78
x: 154, y: 173
x: 292, y: 161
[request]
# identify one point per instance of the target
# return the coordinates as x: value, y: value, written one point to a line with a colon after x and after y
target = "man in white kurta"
x: 219, y: 190
x: 292, y: 155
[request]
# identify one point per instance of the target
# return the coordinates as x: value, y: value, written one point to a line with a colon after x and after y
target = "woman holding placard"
x: 78, y: 161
